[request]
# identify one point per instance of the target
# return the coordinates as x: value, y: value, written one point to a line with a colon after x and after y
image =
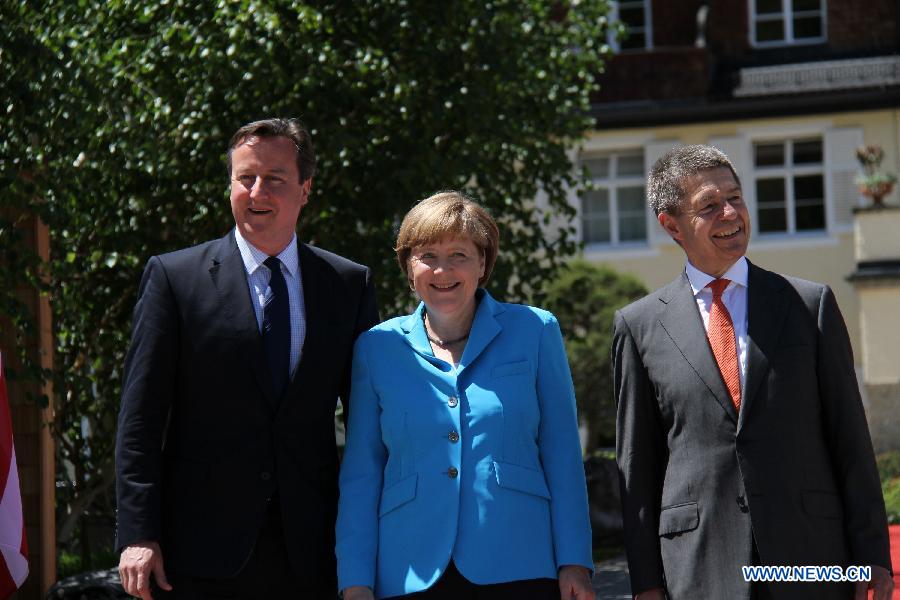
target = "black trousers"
x: 758, y: 590
x: 453, y: 586
x: 266, y: 575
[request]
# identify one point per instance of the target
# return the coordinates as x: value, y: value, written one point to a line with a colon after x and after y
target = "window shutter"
x: 653, y: 151
x: 841, y: 167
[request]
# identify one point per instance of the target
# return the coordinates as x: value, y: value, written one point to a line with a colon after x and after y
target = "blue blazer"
x: 480, y: 463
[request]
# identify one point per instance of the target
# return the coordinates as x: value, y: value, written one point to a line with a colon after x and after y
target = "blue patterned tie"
x: 276, y: 330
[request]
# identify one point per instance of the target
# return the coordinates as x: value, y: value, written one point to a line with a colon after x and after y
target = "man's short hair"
x: 447, y: 215
x: 665, y: 186
x: 291, y: 129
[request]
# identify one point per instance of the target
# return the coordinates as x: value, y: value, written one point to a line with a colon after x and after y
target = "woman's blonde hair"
x: 448, y: 215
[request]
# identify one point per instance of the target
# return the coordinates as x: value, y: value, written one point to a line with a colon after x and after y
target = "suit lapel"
x: 229, y: 276
x: 681, y: 321
x: 766, y: 311
x: 316, y: 293
x: 416, y: 336
x: 485, y: 328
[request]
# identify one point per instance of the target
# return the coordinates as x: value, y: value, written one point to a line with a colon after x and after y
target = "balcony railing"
x: 821, y: 76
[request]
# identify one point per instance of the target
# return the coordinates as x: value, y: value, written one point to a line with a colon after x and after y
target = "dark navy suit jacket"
x: 203, y: 443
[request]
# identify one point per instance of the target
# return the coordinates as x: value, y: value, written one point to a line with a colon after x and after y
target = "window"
x: 790, y: 186
x: 780, y: 22
x: 637, y: 18
x: 614, y: 210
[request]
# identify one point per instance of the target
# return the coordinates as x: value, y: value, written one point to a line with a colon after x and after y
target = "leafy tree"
x: 584, y: 297
x: 116, y: 115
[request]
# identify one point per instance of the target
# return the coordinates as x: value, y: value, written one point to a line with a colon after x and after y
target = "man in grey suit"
x: 741, y: 436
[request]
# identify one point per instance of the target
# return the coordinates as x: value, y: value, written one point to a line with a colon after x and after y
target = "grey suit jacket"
x: 794, y: 470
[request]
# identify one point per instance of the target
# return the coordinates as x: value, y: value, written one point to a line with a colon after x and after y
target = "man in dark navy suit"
x: 225, y: 455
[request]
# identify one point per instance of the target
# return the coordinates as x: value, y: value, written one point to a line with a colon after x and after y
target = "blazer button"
x: 452, y: 401
x: 452, y: 472
x: 265, y: 476
x: 453, y: 437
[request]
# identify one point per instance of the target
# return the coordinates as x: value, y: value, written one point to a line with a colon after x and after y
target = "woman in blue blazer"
x: 462, y: 475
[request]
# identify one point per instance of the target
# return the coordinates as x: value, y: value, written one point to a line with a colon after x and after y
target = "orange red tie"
x: 724, y: 346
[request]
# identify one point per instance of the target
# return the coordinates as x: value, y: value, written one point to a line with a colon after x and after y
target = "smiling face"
x: 266, y: 193
x: 445, y: 276
x: 713, y: 225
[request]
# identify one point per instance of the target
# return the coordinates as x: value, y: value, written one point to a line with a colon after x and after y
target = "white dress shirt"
x: 258, y: 276
x: 735, y: 299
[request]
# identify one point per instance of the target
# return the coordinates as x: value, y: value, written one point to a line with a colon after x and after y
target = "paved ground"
x: 611, y: 580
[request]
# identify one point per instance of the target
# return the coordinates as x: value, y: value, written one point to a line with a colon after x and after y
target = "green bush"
x: 889, y: 471
x: 888, y: 465
x: 891, y: 490
x: 72, y: 563
x: 584, y: 298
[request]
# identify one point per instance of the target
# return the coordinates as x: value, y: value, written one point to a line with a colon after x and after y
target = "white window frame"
x: 787, y: 172
x: 614, y: 43
x: 612, y: 185
x: 786, y: 16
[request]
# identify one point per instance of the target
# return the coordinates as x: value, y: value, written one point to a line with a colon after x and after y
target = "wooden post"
x: 47, y: 446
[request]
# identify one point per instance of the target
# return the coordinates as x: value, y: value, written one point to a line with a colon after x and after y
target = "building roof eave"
x: 647, y: 113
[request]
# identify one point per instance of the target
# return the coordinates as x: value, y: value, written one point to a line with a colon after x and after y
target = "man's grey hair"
x: 665, y: 186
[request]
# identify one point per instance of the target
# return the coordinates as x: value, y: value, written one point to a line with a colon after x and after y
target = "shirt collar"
x: 254, y: 257
x: 699, y: 280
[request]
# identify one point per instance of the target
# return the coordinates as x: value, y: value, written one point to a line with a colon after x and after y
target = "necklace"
x: 441, y: 343
x: 444, y: 343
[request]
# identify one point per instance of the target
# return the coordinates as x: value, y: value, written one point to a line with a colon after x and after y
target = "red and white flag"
x: 13, y: 548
